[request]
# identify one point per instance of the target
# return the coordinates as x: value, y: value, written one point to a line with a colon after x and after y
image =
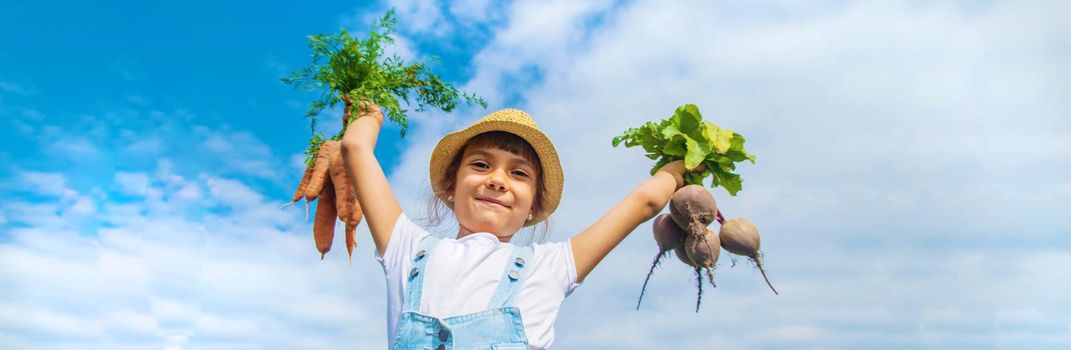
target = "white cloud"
x: 238, y: 151
x: 232, y: 193
x: 14, y: 88
x: 189, y: 192
x: 420, y: 16
x: 472, y: 10
x: 49, y: 184
x: 138, y: 138
x: 537, y: 35
x: 132, y: 183
x: 146, y: 146
x: 83, y: 205
x: 403, y: 47
x: 415, y: 18
x: 75, y: 149
x: 152, y: 276
x: 297, y: 162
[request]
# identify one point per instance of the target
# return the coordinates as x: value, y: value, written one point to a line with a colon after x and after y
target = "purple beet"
x: 739, y: 236
x: 693, y: 208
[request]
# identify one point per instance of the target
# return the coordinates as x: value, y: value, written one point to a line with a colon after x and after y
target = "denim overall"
x: 497, y: 327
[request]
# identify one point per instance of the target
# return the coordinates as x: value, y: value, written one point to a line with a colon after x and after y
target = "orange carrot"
x: 345, y: 197
x: 301, y: 186
x: 301, y: 190
x: 351, y: 240
x: 323, y: 229
x: 346, y: 201
x: 320, y: 167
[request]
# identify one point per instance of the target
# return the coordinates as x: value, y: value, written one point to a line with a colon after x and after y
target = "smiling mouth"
x: 491, y: 203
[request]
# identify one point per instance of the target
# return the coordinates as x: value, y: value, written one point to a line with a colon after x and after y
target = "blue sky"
x: 911, y: 182
x: 220, y: 63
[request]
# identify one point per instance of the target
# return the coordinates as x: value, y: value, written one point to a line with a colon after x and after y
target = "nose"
x: 497, y: 180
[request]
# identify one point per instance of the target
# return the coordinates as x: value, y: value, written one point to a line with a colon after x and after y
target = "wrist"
x: 362, y: 133
x: 369, y: 120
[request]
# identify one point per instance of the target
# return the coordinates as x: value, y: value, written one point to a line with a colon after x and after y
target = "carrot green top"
x: 357, y: 70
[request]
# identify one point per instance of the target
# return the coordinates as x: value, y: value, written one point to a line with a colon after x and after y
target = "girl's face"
x: 494, y: 192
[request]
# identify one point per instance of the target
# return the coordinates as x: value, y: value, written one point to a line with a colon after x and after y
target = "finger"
x: 699, y: 168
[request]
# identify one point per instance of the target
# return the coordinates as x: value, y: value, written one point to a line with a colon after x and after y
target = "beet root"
x: 702, y: 254
x: 666, y: 233
x: 668, y: 236
x: 739, y: 236
x: 699, y: 289
x: 693, y: 208
x: 703, y: 251
x: 682, y: 255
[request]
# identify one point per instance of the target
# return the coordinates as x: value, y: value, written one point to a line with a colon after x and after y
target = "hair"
x: 437, y: 207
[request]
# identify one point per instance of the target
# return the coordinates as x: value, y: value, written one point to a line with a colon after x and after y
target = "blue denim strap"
x: 415, y: 275
x: 512, y: 278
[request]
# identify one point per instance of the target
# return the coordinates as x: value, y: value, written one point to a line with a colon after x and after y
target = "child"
x: 478, y: 291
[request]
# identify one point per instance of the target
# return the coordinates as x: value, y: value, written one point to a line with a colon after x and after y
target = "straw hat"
x: 516, y: 122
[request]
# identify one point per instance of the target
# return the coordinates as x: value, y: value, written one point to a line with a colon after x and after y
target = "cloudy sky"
x: 913, y: 162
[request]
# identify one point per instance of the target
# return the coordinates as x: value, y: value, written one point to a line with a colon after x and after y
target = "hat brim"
x: 514, y: 122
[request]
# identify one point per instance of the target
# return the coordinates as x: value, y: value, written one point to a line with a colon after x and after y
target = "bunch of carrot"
x: 327, y: 180
x: 346, y: 69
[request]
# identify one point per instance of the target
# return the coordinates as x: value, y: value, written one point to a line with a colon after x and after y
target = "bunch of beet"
x: 685, y: 231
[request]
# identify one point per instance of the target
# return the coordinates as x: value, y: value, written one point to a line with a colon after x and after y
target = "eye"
x: 480, y: 164
x: 520, y: 173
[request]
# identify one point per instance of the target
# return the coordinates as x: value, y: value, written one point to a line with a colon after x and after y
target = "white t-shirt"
x: 462, y: 275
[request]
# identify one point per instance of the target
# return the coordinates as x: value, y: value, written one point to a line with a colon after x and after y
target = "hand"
x: 698, y: 168
x: 370, y: 109
x: 365, y: 127
x: 676, y: 168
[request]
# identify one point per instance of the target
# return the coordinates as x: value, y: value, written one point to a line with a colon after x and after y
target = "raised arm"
x: 646, y: 201
x: 380, y: 208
